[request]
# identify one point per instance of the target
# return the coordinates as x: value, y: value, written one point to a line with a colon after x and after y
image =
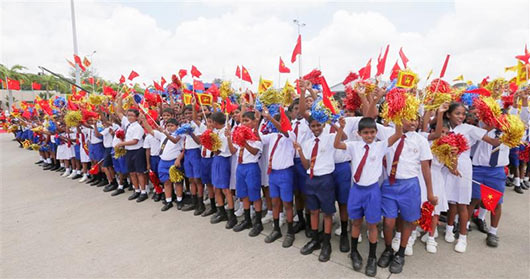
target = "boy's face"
x: 309, y: 102
x: 188, y: 114
x: 368, y: 134
x: 209, y: 123
x: 296, y: 112
x: 217, y: 125
x: 349, y: 113
x: 247, y: 122
x: 171, y: 127
x: 410, y: 126
x: 131, y: 117
x: 166, y: 116
x: 316, y: 128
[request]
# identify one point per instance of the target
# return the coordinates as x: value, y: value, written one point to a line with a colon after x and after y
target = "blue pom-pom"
x: 51, y: 127
x: 258, y: 105
x: 471, y: 87
x: 320, y: 115
x: 59, y: 102
x: 468, y: 98
x: 184, y: 129
x: 317, y: 87
x: 271, y: 128
x: 137, y: 98
x: 273, y: 109
x: 100, y: 129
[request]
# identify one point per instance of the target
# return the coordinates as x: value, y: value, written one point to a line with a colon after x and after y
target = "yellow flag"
x: 460, y: 77
x: 406, y: 79
x: 264, y: 85
x: 288, y: 86
x: 522, y: 73
x: 511, y: 69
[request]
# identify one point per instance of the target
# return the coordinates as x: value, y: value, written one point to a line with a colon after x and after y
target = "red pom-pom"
x: 425, y: 220
x: 152, y: 100
x: 442, y: 86
x: 396, y: 100
x: 455, y: 140
x: 524, y: 155
x: 153, y: 178
x: 120, y: 134
x: 206, y: 139
x: 88, y: 114
x: 485, y: 113
x: 352, y: 100
x: 242, y: 134
x: 507, y: 101
x: 313, y: 77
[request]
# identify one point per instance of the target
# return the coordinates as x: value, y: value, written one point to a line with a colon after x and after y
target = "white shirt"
x: 284, y: 152
x: 171, y: 150
x: 224, y: 151
x: 152, y: 143
x: 133, y: 131
x: 484, y: 150
x: 107, y: 136
x: 303, y: 132
x: 340, y: 155
x: 93, y: 138
x: 324, y: 163
x: 373, y: 166
x: 247, y: 156
x: 190, y: 143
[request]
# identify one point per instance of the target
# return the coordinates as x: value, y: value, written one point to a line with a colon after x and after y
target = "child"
x: 108, y: 168
x: 206, y: 170
x: 192, y: 162
x: 152, y: 153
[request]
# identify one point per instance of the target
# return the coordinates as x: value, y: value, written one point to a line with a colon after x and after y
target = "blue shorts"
x: 514, y: 155
x: 53, y: 147
x: 365, y: 201
x: 206, y: 170
x: 96, y: 151
x: 154, y: 161
x: 120, y: 166
x: 163, y: 169
x: 248, y: 181
x: 221, y: 172
x: 107, y: 158
x: 300, y: 176
x: 342, y: 177
x: 192, y: 163
x: 403, y: 198
x: 492, y: 177
x: 321, y: 193
x: 77, y: 152
x: 281, y: 184
x: 136, y: 161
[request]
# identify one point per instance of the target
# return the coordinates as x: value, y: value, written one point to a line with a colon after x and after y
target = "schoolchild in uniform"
x: 206, y: 169
x: 152, y: 150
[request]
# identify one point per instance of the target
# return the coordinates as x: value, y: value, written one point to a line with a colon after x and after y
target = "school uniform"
x: 488, y: 166
x: 192, y: 155
x: 82, y: 146
x: 119, y: 164
x: 320, y: 186
x: 206, y: 160
x: 365, y: 195
x: 168, y: 153
x: 153, y: 144
x: 264, y: 159
x: 400, y: 192
x: 248, y: 173
x: 135, y: 156
x: 439, y: 173
x: 96, y: 149
x: 65, y: 150
x: 280, y: 165
x: 221, y: 164
x: 107, y: 145
x: 302, y: 132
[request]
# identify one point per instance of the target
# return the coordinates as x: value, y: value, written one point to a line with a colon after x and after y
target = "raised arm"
x: 396, y: 136
x: 303, y: 159
x: 339, y: 143
x: 439, y: 122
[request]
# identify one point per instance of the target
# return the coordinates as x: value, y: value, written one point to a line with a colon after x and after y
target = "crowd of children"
x: 268, y: 164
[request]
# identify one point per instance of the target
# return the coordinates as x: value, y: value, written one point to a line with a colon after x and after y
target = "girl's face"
x: 166, y: 116
x: 235, y: 115
x: 316, y: 127
x: 445, y: 131
x: 209, y: 123
x: 457, y: 116
x: 248, y: 122
x: 350, y: 113
x: 309, y: 102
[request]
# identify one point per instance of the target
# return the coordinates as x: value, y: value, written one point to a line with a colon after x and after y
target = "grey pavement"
x: 54, y: 227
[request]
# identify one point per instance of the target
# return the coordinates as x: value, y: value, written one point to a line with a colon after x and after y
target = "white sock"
x: 41, y: 158
x: 398, y: 235
x: 120, y: 187
x: 143, y: 192
x: 526, y: 178
x: 431, y: 238
x: 467, y: 226
x: 78, y: 172
x: 179, y: 199
x: 49, y: 161
x: 269, y: 212
x: 62, y: 165
x: 462, y: 237
x: 137, y: 190
x: 510, y: 175
x: 449, y: 228
x: 67, y: 169
x: 517, y: 182
x: 168, y: 199
x: 482, y: 213
x: 493, y: 230
x: 85, y: 175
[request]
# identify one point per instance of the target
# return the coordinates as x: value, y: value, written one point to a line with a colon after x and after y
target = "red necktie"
x: 204, y: 152
x: 269, y: 169
x: 395, y: 161
x: 240, y: 158
x: 314, y: 153
x: 332, y: 129
x: 296, y: 128
x: 359, y: 170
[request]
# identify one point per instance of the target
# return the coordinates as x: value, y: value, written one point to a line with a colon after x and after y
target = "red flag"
x: 403, y: 57
x: 198, y: 85
x: 297, y: 49
x: 229, y: 106
x: 485, y: 81
x: 490, y: 197
x: 238, y: 72
x: 245, y: 75
x: 381, y: 63
x: 35, y: 86
x: 524, y: 57
x: 91, y: 80
x: 94, y: 170
x: 283, y: 68
x: 77, y: 60
x: 481, y: 91
x: 162, y: 81
x: 132, y: 75
x: 395, y: 71
x: 182, y: 73
x: 13, y: 84
x: 157, y: 86
x: 195, y: 72
x: 122, y: 79
x: 351, y: 77
x: 285, y: 123
x: 365, y: 71
x: 513, y: 87
x: 442, y: 73
x: 325, y: 88
x: 86, y: 62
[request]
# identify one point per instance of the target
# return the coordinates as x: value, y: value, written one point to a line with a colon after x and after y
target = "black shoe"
x: 310, y: 247
x: 275, y: 234
x: 385, y: 258
x: 371, y: 267
x: 130, y: 188
x: 356, y: 260
x: 288, y: 240
x: 77, y: 176
x: 157, y: 197
x: 189, y: 207
x: 47, y: 167
x: 492, y: 240
x: 55, y: 167
x: 344, y: 243
x: 95, y: 182
x: 142, y: 197
x: 481, y: 225
x: 91, y: 179
x: 117, y: 192
x: 518, y: 190
x: 232, y: 220
x: 308, y: 231
x: 200, y: 209
x: 256, y: 230
x: 218, y: 218
x: 524, y: 185
x: 103, y: 182
x: 509, y: 183
x: 39, y: 162
x: 243, y: 225
x: 60, y: 169
x: 134, y: 196
x: 325, y: 252
x: 180, y: 204
x: 211, y: 210
x: 167, y: 206
x: 396, y: 266
x: 299, y: 226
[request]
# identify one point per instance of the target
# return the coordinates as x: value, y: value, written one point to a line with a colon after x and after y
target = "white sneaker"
x: 395, y: 243
x: 72, y: 175
x: 449, y: 236
x: 66, y: 173
x: 268, y: 218
x: 410, y: 245
x: 460, y: 246
x: 426, y: 236
x: 84, y: 178
x: 239, y: 212
x: 431, y: 246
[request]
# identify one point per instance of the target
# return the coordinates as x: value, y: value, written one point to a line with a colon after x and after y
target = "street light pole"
x: 74, y: 33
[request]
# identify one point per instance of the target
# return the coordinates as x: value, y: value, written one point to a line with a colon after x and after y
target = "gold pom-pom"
x: 408, y: 112
x: 34, y: 146
x: 96, y: 99
x: 270, y: 96
x: 26, y: 144
x: 225, y: 89
x: 119, y: 152
x: 288, y: 94
x: 37, y: 129
x: 433, y: 101
x: 496, y: 87
x: 512, y: 130
x: 216, y: 142
x: 72, y: 118
x: 175, y: 175
x: 444, y: 154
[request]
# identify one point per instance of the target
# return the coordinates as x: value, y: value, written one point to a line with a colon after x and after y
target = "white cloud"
x: 482, y: 38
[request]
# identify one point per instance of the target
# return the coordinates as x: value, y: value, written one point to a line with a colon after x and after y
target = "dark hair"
x: 187, y: 107
x: 250, y: 115
x: 452, y: 107
x: 367, y: 123
x: 295, y: 102
x: 445, y: 123
x: 172, y: 121
x: 135, y: 111
x: 218, y: 117
x: 168, y: 110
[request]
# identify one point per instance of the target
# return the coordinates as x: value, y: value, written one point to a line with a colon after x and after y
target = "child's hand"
x: 433, y: 199
x: 266, y: 113
x: 443, y: 108
x: 228, y: 131
x: 342, y: 122
x: 297, y: 146
x: 177, y: 163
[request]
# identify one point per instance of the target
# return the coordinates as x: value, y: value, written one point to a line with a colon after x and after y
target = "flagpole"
x: 74, y: 33
x: 299, y: 25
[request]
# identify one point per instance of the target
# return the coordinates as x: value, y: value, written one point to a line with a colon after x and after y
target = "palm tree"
x: 13, y: 73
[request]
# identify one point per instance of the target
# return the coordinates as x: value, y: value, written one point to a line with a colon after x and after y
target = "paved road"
x: 53, y: 227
